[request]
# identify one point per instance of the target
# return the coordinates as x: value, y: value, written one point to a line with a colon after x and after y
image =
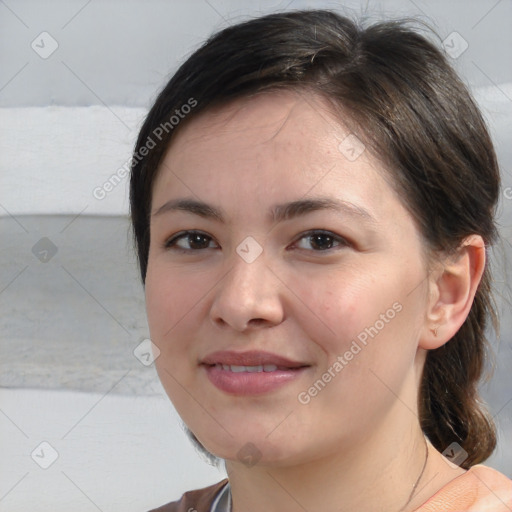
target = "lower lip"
x: 250, y: 383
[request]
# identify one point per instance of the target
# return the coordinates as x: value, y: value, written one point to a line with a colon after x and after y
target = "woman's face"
x: 288, y: 321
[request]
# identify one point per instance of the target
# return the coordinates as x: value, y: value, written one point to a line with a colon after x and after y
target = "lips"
x: 250, y: 373
x: 251, y: 359
x: 251, y: 368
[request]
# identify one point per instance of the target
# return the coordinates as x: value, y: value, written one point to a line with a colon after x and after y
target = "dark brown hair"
x: 408, y: 106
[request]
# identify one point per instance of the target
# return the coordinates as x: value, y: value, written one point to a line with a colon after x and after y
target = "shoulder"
x: 199, y: 500
x: 480, y: 489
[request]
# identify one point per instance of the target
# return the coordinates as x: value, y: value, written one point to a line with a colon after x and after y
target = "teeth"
x: 250, y: 369
x: 238, y: 369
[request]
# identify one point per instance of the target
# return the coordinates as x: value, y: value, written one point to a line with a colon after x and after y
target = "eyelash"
x: 170, y: 244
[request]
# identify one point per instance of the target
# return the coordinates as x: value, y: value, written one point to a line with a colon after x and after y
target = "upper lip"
x: 250, y: 358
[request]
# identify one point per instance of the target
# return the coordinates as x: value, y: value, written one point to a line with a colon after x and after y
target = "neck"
x: 380, y: 473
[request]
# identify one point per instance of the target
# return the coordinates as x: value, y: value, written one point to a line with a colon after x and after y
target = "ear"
x: 452, y: 289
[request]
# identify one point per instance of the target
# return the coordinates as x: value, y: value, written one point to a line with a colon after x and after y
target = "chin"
x: 251, y: 449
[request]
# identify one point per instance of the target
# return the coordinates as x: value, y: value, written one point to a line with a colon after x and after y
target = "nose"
x: 248, y: 297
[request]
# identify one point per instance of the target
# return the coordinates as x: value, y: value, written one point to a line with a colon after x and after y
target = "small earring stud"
x: 434, y: 331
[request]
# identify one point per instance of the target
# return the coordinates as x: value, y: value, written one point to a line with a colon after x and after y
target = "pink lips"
x: 250, y: 358
x: 251, y: 372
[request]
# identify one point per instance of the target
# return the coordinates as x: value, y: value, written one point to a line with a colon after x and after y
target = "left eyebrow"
x: 278, y: 213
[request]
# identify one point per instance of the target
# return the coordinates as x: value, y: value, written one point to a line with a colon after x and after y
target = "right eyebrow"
x: 192, y: 206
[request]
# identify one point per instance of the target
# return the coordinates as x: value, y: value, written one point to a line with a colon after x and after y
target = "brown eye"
x: 320, y: 241
x: 189, y: 241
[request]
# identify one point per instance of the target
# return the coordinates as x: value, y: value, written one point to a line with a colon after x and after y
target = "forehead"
x: 271, y: 118
x: 275, y: 146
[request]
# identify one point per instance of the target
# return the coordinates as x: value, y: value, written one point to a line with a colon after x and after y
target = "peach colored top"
x: 480, y: 489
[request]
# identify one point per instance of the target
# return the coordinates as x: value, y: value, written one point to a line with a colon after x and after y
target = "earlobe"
x: 452, y: 290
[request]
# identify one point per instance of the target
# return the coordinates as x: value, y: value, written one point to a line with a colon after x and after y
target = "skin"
x: 357, y: 444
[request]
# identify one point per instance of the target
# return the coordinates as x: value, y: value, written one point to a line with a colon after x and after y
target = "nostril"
x: 220, y: 321
x: 257, y: 321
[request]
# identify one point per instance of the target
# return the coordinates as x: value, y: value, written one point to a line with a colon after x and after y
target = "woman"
x: 312, y: 202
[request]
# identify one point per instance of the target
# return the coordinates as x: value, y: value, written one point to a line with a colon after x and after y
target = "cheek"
x: 368, y: 350
x: 171, y: 295
x: 366, y: 308
x: 170, y: 302
x: 337, y: 305
x: 177, y: 304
